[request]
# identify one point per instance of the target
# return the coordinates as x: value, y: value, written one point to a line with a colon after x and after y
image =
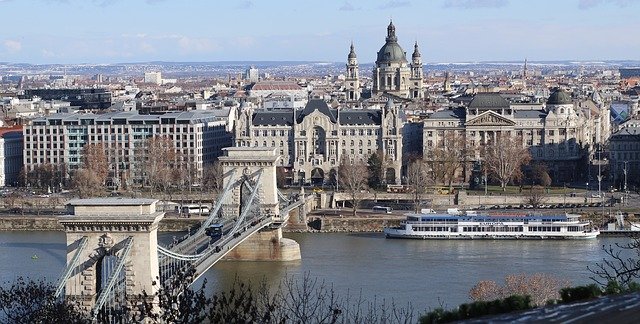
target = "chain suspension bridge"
x: 112, y: 248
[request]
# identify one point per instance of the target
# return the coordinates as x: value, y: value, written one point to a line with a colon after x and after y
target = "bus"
x: 399, y: 189
x: 214, y: 230
x: 381, y: 209
x: 194, y: 210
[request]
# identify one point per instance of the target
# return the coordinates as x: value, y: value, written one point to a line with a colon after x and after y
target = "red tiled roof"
x: 14, y: 128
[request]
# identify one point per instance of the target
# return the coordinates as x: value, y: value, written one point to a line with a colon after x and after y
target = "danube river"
x: 424, y: 273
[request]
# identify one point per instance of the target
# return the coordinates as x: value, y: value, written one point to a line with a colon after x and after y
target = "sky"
x: 122, y: 31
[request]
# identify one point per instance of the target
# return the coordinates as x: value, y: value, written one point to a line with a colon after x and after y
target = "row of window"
x: 544, y: 229
x: 114, y: 130
x: 492, y: 229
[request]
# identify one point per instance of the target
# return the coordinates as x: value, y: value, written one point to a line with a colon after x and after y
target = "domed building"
x: 393, y: 74
x: 559, y: 134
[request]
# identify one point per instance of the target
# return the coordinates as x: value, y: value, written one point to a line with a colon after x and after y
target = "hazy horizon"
x: 140, y: 31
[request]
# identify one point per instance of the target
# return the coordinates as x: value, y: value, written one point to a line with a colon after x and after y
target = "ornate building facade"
x: 561, y: 134
x: 312, y: 141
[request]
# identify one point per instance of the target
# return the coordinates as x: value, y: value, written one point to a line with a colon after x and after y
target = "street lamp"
x: 625, y: 182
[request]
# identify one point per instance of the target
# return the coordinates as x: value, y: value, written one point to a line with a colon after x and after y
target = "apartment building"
x: 58, y: 139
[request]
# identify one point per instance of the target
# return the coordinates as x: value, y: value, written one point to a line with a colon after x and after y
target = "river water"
x: 426, y: 274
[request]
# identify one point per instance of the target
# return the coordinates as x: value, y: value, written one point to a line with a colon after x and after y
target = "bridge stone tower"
x: 248, y: 162
x: 102, y: 230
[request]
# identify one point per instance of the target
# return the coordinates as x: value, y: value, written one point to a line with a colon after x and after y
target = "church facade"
x: 392, y: 74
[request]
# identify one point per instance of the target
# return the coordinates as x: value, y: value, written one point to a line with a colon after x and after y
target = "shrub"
x: 478, y: 309
x: 541, y: 287
x: 571, y: 294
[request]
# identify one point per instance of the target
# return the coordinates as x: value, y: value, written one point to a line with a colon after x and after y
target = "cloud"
x: 588, y: 4
x: 347, y: 6
x: 244, y: 5
x: 12, y: 46
x: 395, y: 4
x: 196, y: 45
x: 243, y: 41
x: 473, y: 4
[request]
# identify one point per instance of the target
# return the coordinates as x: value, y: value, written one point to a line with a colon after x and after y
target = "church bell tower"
x: 352, y: 81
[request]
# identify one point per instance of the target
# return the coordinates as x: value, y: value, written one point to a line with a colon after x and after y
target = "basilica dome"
x: 391, y: 50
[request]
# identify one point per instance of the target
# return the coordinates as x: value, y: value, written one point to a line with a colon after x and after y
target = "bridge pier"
x: 266, y: 245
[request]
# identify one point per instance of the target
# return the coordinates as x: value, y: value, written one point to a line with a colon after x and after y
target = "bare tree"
x: 535, y: 196
x: 212, y: 177
x: 94, y: 159
x: 41, y: 176
x: 86, y: 183
x: 353, y: 176
x: 540, y: 175
x: 90, y: 178
x: 504, y: 159
x: 418, y: 179
x: 449, y: 157
x: 160, y: 159
x: 622, y: 267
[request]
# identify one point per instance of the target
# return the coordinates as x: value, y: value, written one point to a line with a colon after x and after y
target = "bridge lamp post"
x: 625, y: 182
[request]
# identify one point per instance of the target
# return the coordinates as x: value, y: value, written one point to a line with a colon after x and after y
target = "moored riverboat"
x: 493, y: 226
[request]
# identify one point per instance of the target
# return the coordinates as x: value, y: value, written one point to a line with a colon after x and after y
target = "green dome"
x: 559, y: 97
x: 391, y: 52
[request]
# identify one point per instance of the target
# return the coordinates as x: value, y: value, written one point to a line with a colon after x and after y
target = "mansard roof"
x: 360, y: 117
x: 529, y: 114
x: 272, y: 118
x: 455, y: 113
x: 313, y: 105
x: 489, y: 100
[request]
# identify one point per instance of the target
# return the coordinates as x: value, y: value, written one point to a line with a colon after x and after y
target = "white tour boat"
x: 493, y: 226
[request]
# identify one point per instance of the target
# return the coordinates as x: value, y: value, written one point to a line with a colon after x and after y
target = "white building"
x: 251, y: 74
x: 153, y: 77
x: 199, y: 137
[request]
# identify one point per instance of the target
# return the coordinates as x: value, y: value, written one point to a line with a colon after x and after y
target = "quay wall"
x: 350, y: 224
x: 50, y: 223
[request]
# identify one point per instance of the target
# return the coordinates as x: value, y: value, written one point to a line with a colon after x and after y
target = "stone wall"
x: 267, y: 245
x: 29, y: 223
x: 48, y: 223
x: 350, y: 224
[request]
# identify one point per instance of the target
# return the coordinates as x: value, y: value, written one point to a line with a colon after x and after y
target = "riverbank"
x: 317, y: 222
x: 50, y: 223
